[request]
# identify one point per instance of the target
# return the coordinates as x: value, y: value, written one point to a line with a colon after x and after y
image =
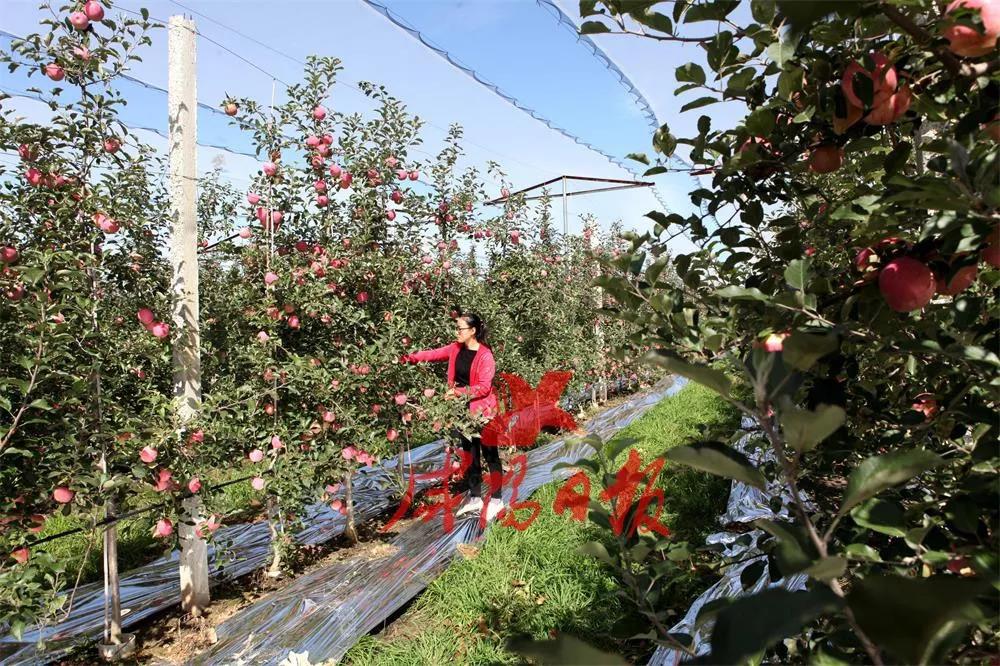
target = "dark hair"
x: 476, y: 322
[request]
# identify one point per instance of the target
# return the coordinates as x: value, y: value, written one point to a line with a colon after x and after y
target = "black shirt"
x: 463, y: 364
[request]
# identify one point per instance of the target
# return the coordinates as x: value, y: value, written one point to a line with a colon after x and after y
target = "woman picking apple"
x: 470, y: 376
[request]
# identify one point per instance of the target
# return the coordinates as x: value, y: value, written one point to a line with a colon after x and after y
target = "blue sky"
x: 515, y: 44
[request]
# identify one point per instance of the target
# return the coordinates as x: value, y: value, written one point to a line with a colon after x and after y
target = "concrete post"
x: 565, y: 209
x: 182, y: 105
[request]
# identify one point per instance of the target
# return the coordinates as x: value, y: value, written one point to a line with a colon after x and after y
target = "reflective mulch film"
x: 745, y: 505
x: 156, y: 586
x: 321, y: 615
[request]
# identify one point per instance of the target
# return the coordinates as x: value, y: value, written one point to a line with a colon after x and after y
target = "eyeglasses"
x: 466, y: 328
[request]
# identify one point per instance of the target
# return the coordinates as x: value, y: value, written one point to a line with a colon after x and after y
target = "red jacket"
x: 480, y: 388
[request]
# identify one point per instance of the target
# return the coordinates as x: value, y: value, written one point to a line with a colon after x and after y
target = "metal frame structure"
x: 618, y: 185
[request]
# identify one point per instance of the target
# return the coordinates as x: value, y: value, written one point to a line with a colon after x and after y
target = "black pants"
x: 474, y: 475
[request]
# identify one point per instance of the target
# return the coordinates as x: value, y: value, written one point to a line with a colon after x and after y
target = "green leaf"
x: 698, y: 103
x: 593, y: 28
x: 795, y: 552
x: 654, y: 171
x: 802, y: 350
x: 780, y: 51
x: 654, y: 20
x: 797, y: 273
x: 596, y: 549
x: 863, y: 551
x: 752, y: 573
x: 664, y: 142
x: 742, y: 294
x: 752, y: 624
x: 588, y: 8
x: 659, y: 218
x: 877, y: 473
x: 714, y: 10
x: 656, y: 268
x: 789, y: 81
x: 617, y: 446
x: 762, y: 11
x: 880, y: 516
x: 638, y: 157
x: 827, y: 569
x: 713, y: 379
x: 910, y: 617
x: 804, y: 429
x: 760, y: 122
x: 718, y: 459
x: 740, y: 81
x: 563, y: 650
x: 690, y: 73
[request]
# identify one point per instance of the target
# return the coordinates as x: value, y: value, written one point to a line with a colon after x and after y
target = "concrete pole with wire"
x: 182, y: 105
x: 565, y: 209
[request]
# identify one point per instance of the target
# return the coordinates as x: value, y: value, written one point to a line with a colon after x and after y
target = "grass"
x: 534, y: 582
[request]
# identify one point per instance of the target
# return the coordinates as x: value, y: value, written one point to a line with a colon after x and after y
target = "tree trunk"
x: 349, y: 530
x: 277, y: 536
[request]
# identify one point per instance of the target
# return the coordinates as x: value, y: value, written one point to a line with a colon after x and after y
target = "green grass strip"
x: 534, y: 582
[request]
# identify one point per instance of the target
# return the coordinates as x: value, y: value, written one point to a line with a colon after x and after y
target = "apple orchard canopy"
x: 493, y: 53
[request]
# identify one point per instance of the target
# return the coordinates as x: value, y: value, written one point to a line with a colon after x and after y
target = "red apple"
x: 112, y: 145
x: 826, y: 159
x: 392, y: 434
x: 967, y: 41
x: 79, y: 21
x: 94, y: 10
x: 906, y: 284
x: 319, y: 113
x: 991, y: 254
x: 163, y: 528
x: 21, y: 555
x: 231, y: 108
x: 63, y: 495
x: 147, y: 454
x: 8, y: 254
x: 926, y: 404
x: 27, y: 153
x: 961, y: 281
x: 55, y: 72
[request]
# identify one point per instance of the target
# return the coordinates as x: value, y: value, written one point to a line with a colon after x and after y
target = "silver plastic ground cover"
x: 745, y: 505
x: 321, y: 615
x: 155, y: 587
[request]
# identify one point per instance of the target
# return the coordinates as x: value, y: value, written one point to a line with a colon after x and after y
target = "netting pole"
x: 182, y: 104
x: 565, y: 210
